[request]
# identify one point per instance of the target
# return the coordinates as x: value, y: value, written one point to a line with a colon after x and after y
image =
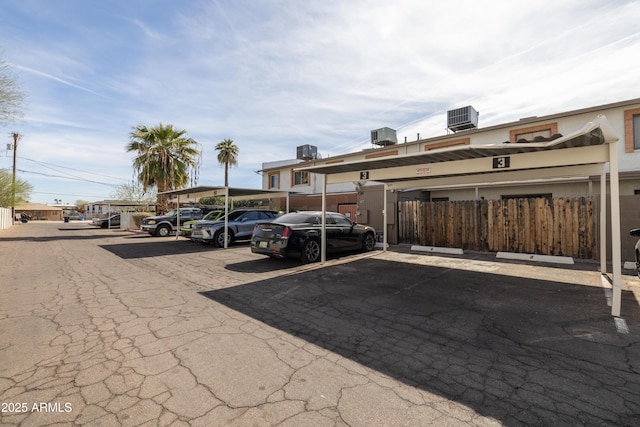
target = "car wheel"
x: 104, y: 225
x: 638, y: 263
x: 310, y: 251
x: 162, y: 231
x: 218, y: 238
x: 368, y: 243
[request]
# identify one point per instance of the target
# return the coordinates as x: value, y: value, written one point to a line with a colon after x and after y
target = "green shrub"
x: 139, y: 216
x: 44, y: 218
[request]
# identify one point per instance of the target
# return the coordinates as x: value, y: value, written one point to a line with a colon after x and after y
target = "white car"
x: 636, y: 232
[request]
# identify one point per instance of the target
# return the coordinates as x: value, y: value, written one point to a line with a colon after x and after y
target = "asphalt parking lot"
x: 106, y: 327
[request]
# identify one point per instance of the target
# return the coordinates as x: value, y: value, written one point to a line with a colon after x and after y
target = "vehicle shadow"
x: 519, y: 350
x: 267, y: 264
x: 264, y: 265
x: 154, y: 248
x: 90, y: 234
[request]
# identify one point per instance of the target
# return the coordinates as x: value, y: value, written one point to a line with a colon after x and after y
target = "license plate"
x: 263, y: 244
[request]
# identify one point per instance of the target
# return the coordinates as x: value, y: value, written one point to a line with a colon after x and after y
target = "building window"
x: 433, y: 146
x: 632, y: 130
x: 636, y: 132
x: 301, y: 178
x: 381, y: 154
x: 529, y: 134
x: 274, y: 180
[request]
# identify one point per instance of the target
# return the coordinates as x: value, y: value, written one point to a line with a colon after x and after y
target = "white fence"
x: 5, y: 218
x: 127, y: 222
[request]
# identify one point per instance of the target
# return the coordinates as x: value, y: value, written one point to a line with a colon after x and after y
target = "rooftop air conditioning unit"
x: 306, y: 152
x: 462, y: 118
x: 384, y: 137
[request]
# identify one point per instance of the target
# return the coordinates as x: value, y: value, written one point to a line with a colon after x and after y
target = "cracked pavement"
x: 109, y: 328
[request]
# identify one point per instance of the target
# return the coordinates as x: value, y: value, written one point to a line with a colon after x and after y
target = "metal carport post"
x: 323, y: 222
x: 178, y: 216
x: 583, y: 152
x: 616, y: 256
x: 226, y: 217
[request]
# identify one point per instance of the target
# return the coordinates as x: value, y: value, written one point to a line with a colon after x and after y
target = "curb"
x: 436, y: 249
x: 534, y: 257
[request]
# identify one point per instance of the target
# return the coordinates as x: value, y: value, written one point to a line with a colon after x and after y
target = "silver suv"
x: 240, y: 222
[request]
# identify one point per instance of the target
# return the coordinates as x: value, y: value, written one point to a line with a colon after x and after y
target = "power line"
x: 67, y: 177
x: 74, y: 195
x: 70, y: 168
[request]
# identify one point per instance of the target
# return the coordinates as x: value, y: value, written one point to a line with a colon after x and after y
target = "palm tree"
x: 165, y: 158
x: 227, y: 155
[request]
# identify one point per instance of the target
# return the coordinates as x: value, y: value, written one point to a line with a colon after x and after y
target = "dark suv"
x: 166, y: 224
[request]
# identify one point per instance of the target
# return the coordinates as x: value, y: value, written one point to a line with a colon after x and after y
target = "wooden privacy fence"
x: 563, y: 226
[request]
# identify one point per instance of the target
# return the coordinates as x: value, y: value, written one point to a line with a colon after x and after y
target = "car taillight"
x: 286, y: 232
x: 255, y: 228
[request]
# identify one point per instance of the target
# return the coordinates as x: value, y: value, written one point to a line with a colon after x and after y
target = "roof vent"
x: 462, y: 118
x: 306, y: 152
x: 384, y: 137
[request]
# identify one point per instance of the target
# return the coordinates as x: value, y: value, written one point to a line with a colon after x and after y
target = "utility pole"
x: 16, y: 136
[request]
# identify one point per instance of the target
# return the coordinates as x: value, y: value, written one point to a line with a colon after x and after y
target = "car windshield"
x: 174, y: 212
x: 213, y: 215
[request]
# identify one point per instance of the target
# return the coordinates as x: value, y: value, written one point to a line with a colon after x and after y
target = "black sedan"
x: 297, y: 235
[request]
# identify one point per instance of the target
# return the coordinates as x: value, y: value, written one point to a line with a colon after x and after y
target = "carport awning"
x: 585, y: 151
x: 226, y: 192
x: 244, y: 193
x: 587, y: 145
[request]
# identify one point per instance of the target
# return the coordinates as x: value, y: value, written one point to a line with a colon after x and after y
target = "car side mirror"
x: 635, y: 232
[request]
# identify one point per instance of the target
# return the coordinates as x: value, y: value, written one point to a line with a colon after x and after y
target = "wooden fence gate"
x: 563, y: 226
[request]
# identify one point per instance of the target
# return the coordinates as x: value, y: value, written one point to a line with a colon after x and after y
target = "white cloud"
x: 276, y: 74
x: 55, y: 78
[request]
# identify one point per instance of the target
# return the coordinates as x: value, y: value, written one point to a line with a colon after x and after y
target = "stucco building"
x: 363, y: 199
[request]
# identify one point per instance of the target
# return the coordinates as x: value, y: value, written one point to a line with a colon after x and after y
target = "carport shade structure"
x: 584, y: 152
x: 243, y: 193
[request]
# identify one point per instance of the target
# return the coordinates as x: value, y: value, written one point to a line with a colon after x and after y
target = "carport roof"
x: 597, y: 132
x: 245, y: 193
x: 586, y: 150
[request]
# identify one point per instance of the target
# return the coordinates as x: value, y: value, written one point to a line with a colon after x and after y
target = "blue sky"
x: 275, y: 74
